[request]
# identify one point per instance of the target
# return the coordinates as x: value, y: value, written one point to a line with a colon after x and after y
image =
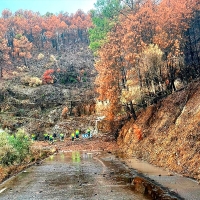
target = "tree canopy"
x: 141, y: 55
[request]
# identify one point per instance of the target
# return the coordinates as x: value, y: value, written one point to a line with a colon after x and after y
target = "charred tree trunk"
x: 131, y: 111
x: 25, y: 61
x: 171, y: 75
x: 133, y: 114
x: 1, y: 71
x: 123, y: 74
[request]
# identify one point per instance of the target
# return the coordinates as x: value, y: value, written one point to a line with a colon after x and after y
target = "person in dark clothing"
x: 54, y: 136
x: 61, y: 137
x: 46, y: 136
x: 77, y: 134
x: 72, y: 136
x: 51, y: 139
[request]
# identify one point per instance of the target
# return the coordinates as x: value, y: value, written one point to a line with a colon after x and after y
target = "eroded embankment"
x: 170, y: 133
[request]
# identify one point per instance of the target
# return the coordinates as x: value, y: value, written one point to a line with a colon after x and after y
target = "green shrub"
x: 8, y: 155
x: 72, y: 80
x: 18, y: 36
x: 13, y: 149
x: 20, y: 112
x: 21, y: 144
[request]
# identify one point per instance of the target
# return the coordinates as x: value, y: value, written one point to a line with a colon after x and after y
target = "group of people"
x: 52, y: 137
x: 76, y: 135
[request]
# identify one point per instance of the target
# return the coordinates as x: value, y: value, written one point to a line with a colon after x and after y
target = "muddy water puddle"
x: 73, y: 175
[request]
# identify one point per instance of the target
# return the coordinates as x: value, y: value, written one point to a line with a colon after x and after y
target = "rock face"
x: 168, y: 134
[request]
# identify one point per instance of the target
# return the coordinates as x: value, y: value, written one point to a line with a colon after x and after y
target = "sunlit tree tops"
x: 142, y: 54
x: 48, y: 26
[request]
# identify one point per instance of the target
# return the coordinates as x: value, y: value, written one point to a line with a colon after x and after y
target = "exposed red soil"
x: 170, y: 133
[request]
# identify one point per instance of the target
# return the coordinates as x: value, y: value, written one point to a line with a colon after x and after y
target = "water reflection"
x: 51, y: 157
x: 62, y: 156
x: 76, y: 158
x: 87, y: 156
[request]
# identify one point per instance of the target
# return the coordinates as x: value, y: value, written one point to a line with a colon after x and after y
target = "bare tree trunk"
x: 195, y: 46
x: 25, y: 61
x: 133, y: 114
x: 131, y: 111
x: 1, y: 72
x: 123, y: 74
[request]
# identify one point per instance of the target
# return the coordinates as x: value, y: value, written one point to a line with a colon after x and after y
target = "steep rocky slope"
x: 39, y: 109
x: 170, y: 133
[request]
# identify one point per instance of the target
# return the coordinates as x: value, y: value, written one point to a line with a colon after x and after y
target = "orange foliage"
x: 160, y: 23
x: 24, y: 29
x: 137, y: 132
x: 47, y: 76
x: 64, y: 112
x: 22, y: 47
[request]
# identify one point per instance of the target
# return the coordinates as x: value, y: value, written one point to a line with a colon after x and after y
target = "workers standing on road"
x: 77, y: 134
x: 72, y: 136
x: 46, y: 136
x: 88, y: 133
x: 51, y: 139
x: 54, y: 136
x: 33, y: 137
x: 61, y: 137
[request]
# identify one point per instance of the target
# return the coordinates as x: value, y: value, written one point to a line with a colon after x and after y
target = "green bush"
x: 72, y: 80
x: 20, y: 112
x: 21, y: 144
x: 8, y: 155
x: 13, y: 149
x: 18, y: 36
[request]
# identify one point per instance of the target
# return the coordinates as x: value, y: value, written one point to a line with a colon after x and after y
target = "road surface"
x: 73, y: 176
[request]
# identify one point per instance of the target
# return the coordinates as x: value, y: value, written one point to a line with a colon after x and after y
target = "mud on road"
x: 72, y: 175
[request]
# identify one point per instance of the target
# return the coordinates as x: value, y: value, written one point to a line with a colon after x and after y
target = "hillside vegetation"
x: 133, y: 66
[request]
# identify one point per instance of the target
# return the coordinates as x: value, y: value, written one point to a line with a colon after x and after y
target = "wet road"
x: 72, y: 175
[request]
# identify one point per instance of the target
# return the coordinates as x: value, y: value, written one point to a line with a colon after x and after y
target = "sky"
x: 44, y: 6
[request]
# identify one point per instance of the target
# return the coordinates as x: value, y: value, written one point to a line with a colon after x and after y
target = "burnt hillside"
x: 28, y: 102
